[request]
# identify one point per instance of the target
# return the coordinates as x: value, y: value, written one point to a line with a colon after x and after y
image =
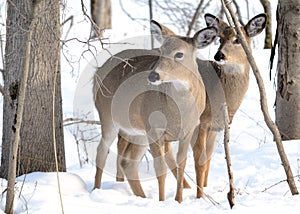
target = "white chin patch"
x: 221, y: 62
x: 157, y: 82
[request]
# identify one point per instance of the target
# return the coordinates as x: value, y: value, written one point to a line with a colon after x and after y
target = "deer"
x: 226, y: 80
x: 232, y: 68
x: 152, y: 99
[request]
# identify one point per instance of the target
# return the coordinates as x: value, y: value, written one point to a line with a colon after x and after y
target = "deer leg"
x: 157, y: 152
x: 210, y: 145
x: 122, y: 144
x: 129, y: 163
x: 170, y: 160
x: 181, y: 162
x: 206, y: 168
x: 199, y: 151
x: 102, y: 152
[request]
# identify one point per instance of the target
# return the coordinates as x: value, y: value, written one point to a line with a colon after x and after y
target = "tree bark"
x: 20, y: 109
x: 101, y: 14
x: 36, y: 151
x: 268, y: 39
x: 288, y: 78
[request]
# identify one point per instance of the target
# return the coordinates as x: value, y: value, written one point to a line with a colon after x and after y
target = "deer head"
x: 178, y: 54
x: 230, y: 50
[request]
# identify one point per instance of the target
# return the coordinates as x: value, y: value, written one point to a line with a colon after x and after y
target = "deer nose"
x: 219, y: 56
x: 153, y: 76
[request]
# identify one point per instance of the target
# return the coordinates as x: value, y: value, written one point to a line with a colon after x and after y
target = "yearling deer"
x: 233, y: 72
x: 154, y: 114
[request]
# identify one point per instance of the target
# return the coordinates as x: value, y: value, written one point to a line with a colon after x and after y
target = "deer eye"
x: 236, y: 41
x: 178, y: 56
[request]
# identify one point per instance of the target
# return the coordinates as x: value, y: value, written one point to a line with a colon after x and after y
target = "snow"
x: 258, y: 173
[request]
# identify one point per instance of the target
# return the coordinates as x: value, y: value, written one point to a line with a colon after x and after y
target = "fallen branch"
x: 74, y: 121
x: 230, y: 194
x: 279, y: 182
x: 263, y: 102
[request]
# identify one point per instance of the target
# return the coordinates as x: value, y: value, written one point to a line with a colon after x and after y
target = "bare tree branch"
x: 128, y: 14
x: 95, y: 27
x: 230, y: 194
x: 74, y: 121
x: 195, y: 17
x: 238, y: 11
x: 248, y: 9
x: 71, y: 20
x: 279, y: 182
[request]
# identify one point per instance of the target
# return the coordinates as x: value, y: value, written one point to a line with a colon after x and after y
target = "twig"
x: 211, y: 199
x: 74, y: 121
x: 151, y: 17
x: 267, y: 188
x: 263, y: 102
x: 195, y: 17
x: 128, y: 14
x: 238, y: 11
x: 71, y: 19
x: 231, y: 24
x: 54, y: 132
x: 230, y: 194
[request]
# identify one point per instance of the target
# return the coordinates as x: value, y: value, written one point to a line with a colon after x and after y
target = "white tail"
x: 153, y: 114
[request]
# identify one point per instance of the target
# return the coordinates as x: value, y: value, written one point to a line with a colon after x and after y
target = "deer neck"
x: 236, y: 69
x: 191, y: 90
x: 235, y: 81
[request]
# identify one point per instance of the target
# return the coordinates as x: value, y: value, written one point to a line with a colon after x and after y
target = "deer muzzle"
x: 153, y: 76
x: 219, y: 56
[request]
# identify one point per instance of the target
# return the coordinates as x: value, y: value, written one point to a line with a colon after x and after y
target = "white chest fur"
x: 234, y: 68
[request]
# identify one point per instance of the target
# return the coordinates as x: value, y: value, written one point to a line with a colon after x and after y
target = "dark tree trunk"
x: 288, y: 77
x: 36, y: 151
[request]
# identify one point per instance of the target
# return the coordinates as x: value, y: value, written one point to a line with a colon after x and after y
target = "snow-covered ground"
x: 258, y: 173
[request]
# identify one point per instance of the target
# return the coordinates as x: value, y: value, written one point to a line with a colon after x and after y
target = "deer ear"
x: 256, y: 25
x: 155, y: 28
x: 213, y: 21
x: 204, y: 37
x: 158, y: 30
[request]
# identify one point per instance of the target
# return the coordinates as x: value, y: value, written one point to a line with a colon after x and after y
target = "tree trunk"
x: 101, y: 14
x: 268, y: 39
x: 288, y: 77
x: 36, y: 151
